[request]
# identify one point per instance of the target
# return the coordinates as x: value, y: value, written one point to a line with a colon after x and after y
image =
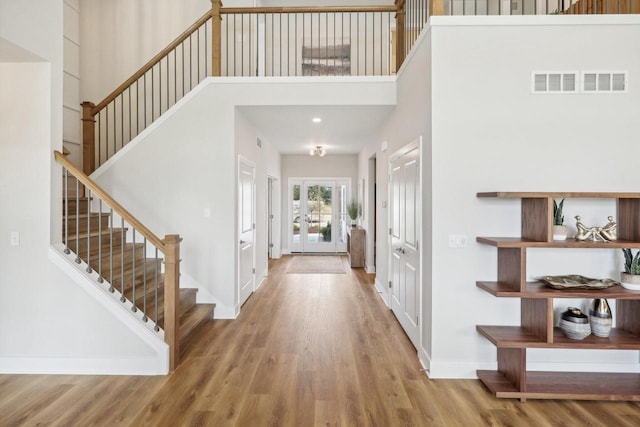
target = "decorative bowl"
x: 575, y: 324
x: 575, y: 281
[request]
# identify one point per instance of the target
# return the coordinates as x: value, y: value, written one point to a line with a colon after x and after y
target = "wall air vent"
x: 554, y: 82
x: 604, y: 81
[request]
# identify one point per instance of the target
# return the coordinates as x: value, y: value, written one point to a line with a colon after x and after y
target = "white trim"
x: 532, y: 20
x: 425, y: 360
x: 382, y: 292
x: 83, y: 366
x: 225, y: 312
x: 370, y: 269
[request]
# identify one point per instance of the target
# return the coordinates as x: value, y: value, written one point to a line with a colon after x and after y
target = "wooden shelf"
x: 559, y: 195
x: 539, y: 290
x: 566, y: 385
x: 512, y: 379
x: 520, y: 337
x: 518, y: 242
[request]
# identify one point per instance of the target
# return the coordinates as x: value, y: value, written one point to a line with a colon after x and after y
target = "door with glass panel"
x: 318, y: 215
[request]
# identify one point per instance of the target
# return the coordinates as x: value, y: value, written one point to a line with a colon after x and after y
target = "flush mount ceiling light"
x: 316, y: 120
x: 319, y: 150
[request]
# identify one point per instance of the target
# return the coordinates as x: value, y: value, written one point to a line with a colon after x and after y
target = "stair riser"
x: 129, y: 278
x: 79, y: 206
x: 83, y: 224
x: 187, y: 302
x: 117, y: 260
x: 105, y: 240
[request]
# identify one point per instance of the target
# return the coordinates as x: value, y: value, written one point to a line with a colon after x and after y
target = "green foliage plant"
x: 558, y: 216
x: 353, y: 209
x: 631, y: 262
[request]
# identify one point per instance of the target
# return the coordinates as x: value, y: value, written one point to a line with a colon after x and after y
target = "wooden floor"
x: 307, y: 350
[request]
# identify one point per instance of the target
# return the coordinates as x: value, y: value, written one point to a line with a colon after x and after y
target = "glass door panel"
x: 318, y: 215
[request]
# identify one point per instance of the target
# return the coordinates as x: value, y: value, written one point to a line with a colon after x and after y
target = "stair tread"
x: 194, y: 317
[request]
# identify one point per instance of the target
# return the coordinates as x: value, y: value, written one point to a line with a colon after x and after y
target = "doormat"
x: 315, y: 264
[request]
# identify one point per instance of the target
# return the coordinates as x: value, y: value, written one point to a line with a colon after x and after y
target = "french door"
x: 318, y: 215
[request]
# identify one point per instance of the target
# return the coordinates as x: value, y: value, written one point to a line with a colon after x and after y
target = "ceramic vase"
x: 575, y: 324
x: 600, y: 318
x: 560, y: 232
x: 630, y: 281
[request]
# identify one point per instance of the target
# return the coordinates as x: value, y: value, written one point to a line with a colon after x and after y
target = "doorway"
x: 318, y: 215
x: 246, y: 229
x: 404, y: 249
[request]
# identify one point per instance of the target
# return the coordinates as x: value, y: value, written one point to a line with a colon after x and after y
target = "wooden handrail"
x: 152, y: 62
x: 117, y: 207
x: 307, y: 9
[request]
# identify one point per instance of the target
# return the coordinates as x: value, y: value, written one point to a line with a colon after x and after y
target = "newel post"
x: 88, y: 138
x: 172, y: 298
x: 216, y: 38
x: 399, y: 34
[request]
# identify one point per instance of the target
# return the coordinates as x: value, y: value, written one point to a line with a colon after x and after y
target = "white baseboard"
x: 84, y: 366
x: 263, y: 277
x: 425, y: 361
x: 225, y: 312
x: 370, y: 269
x: 382, y: 292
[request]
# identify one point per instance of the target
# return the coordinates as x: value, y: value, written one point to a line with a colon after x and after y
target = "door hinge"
x: 390, y: 231
x: 270, y: 245
x: 254, y: 271
x: 389, y: 284
x: 271, y: 216
x: 254, y: 225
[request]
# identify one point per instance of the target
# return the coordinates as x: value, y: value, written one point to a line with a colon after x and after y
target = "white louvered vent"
x: 554, y: 82
x: 604, y: 81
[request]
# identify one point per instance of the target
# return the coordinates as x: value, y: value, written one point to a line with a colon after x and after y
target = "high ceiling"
x: 343, y: 130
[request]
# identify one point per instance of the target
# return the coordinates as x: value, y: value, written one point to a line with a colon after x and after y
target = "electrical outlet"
x: 15, y: 238
x: 207, y: 213
x: 457, y: 240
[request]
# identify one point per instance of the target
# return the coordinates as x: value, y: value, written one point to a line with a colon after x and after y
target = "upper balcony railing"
x: 286, y: 41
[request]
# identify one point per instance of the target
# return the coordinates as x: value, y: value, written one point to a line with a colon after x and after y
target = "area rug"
x: 315, y: 264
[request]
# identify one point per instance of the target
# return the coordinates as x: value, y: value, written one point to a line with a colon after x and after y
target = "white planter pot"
x: 560, y: 232
x: 630, y: 281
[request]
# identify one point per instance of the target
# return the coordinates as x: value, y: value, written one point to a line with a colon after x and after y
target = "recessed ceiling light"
x: 316, y: 120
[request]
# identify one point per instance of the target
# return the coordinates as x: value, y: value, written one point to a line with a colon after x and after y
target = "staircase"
x: 601, y: 7
x: 106, y: 245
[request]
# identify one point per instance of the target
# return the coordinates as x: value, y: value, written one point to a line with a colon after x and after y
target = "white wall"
x: 295, y: 166
x: 409, y: 121
x: 47, y: 323
x: 491, y: 134
x: 71, y: 114
x: 186, y: 161
x: 120, y: 36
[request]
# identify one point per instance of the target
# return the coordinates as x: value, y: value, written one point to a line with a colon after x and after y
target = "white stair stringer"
x: 121, y: 311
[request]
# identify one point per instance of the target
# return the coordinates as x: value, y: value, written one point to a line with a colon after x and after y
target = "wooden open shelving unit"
x: 536, y: 330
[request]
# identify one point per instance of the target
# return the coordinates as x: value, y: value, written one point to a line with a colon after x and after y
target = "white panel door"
x: 246, y: 229
x: 404, y: 220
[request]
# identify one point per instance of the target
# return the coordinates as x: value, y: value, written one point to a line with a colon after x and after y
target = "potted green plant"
x: 630, y: 277
x: 353, y: 210
x: 560, y: 231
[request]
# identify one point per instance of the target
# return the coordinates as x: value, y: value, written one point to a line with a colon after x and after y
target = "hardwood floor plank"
x: 306, y: 350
